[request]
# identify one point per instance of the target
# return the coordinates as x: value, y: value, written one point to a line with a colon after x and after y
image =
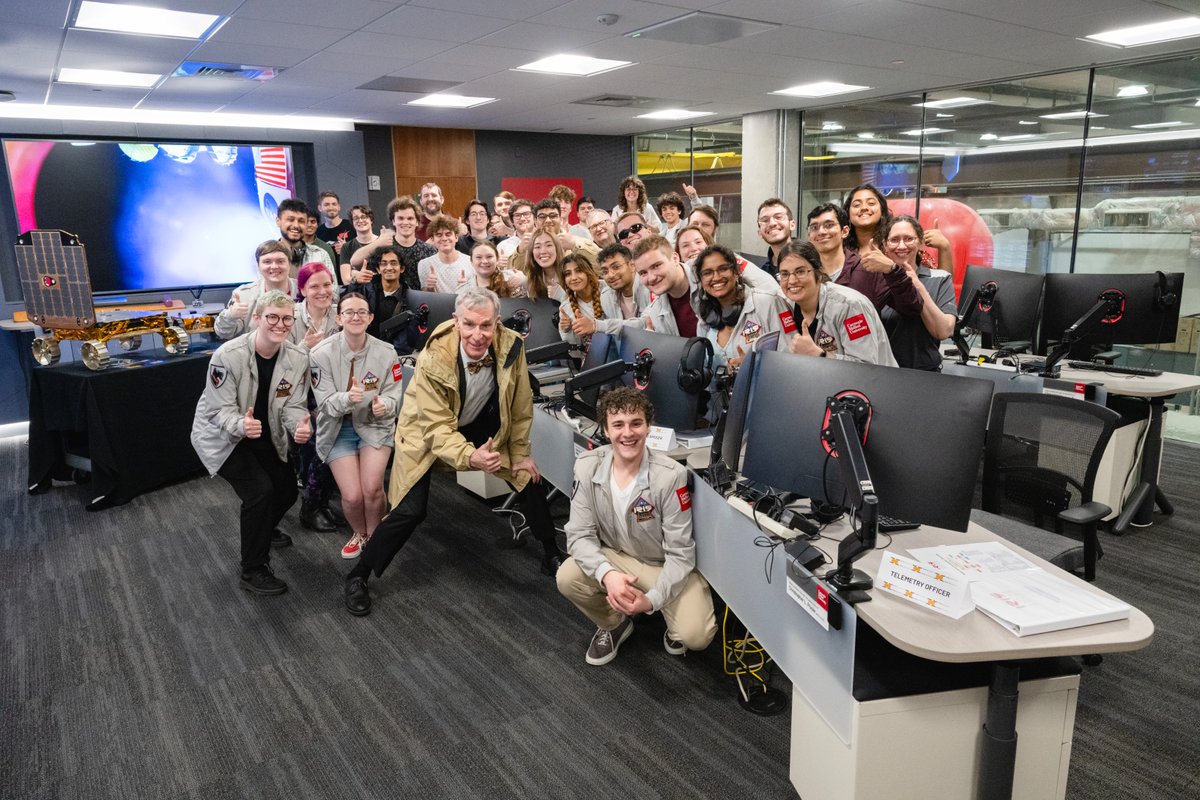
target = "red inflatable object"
x: 970, y: 239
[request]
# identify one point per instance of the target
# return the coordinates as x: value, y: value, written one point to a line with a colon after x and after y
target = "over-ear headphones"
x: 694, y: 380
x: 1164, y: 296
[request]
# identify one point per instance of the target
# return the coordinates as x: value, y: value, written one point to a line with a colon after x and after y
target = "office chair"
x: 1042, y: 454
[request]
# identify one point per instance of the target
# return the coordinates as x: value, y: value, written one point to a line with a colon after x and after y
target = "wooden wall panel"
x: 444, y: 156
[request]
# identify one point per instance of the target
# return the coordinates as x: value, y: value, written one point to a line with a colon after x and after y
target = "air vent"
x: 238, y: 72
x: 628, y: 101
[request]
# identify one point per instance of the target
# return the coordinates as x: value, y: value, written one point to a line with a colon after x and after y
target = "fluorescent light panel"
x: 107, y: 77
x: 955, y: 102
x: 566, y: 64
x: 820, y: 89
x: 1155, y: 32
x: 145, y: 20
x: 1152, y: 125
x: 163, y: 117
x: 1133, y: 90
x: 450, y: 101
x: 1072, y: 115
x: 926, y: 131
x: 675, y: 113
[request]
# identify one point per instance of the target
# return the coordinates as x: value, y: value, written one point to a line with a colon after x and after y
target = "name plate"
x: 661, y: 438
x: 925, y: 585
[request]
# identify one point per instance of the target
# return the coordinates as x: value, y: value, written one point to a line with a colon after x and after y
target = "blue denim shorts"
x: 347, y: 443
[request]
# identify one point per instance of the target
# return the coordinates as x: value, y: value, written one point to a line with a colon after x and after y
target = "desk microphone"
x: 519, y: 322
x: 422, y: 317
x: 642, y: 365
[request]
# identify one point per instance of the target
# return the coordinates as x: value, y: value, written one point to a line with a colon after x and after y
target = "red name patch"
x: 685, y: 498
x: 857, y: 327
x: 788, y: 321
x: 822, y: 597
x: 397, y: 372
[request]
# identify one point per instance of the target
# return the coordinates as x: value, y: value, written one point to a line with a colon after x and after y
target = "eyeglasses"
x: 523, y: 215
x: 827, y: 225
x: 785, y: 275
x: 781, y: 217
x: 355, y: 313
x: 896, y: 241
x: 723, y: 269
x: 358, y: 218
x: 478, y: 214
x: 275, y: 319
x: 637, y: 227
x: 545, y: 215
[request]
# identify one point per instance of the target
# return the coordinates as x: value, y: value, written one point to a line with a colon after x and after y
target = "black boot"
x: 311, y: 519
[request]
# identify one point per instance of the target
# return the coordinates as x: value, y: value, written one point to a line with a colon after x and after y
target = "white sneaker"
x: 353, y: 548
x: 672, y: 646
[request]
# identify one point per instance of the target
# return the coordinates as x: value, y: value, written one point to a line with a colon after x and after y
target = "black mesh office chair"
x: 1042, y: 455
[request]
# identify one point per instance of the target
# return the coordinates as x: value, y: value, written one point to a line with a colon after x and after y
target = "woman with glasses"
x: 916, y: 341
x: 732, y: 314
x: 631, y: 196
x: 542, y: 265
x: 253, y: 398
x: 578, y: 314
x: 356, y: 382
x: 829, y: 320
x: 363, y: 220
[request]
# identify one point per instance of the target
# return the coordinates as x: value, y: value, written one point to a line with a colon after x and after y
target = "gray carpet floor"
x: 131, y: 665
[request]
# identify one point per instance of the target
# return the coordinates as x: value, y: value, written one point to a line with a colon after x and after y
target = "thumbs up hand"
x: 873, y: 260
x: 378, y: 407
x: 485, y: 459
x: 251, y: 427
x: 303, y: 430
x: 356, y: 392
x: 237, y: 308
x: 431, y: 281
x: 935, y: 238
x: 802, y: 343
x: 649, y: 324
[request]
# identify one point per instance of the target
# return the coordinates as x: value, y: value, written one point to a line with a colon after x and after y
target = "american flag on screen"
x: 270, y: 166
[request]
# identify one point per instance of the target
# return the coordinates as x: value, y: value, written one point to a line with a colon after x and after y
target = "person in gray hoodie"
x: 254, y: 397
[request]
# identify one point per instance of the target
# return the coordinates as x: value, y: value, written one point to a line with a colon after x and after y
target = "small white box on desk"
x: 482, y: 484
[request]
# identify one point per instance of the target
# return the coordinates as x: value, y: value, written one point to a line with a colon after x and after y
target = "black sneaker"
x: 551, y: 562
x: 603, y: 648
x: 358, y: 597
x: 262, y: 581
x: 311, y: 519
x: 280, y: 539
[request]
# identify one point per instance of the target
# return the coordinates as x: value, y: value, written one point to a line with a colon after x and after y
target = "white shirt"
x: 621, y: 498
x: 449, y: 276
x: 477, y: 390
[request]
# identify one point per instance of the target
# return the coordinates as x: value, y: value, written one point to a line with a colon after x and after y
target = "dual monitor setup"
x: 1067, y: 315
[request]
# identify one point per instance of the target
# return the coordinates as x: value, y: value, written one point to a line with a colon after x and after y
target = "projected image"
x: 153, y: 216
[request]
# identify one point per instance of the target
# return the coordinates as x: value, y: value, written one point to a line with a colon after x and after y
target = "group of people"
x: 306, y: 389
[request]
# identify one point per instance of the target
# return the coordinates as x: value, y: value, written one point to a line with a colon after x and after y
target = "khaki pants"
x: 689, y: 617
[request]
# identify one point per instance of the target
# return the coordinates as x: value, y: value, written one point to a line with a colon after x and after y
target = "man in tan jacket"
x: 469, y: 404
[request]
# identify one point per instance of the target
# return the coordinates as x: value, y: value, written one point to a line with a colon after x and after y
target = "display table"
x: 133, y: 424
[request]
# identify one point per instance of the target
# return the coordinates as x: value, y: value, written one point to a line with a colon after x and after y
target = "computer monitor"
x: 727, y: 442
x: 1001, y: 304
x: 673, y: 407
x: 583, y: 389
x: 430, y: 310
x: 535, y: 320
x: 1127, y: 308
x: 923, y: 457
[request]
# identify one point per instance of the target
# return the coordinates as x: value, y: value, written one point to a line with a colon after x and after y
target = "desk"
x: 1138, y: 510
x: 134, y: 424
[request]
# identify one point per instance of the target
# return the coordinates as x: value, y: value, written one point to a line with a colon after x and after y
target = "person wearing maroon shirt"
x: 659, y: 270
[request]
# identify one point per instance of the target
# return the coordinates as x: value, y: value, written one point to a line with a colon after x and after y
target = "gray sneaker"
x: 672, y: 646
x: 603, y: 648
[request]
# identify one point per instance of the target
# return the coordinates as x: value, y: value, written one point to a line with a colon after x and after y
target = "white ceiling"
x: 329, y: 48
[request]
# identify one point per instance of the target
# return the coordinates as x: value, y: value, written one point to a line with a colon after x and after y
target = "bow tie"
x: 483, y: 363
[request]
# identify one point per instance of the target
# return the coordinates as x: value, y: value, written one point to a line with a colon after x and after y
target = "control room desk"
x: 133, y: 423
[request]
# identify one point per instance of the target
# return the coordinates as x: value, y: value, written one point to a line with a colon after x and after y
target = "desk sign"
x: 661, y: 438
x: 923, y: 584
x: 813, y: 596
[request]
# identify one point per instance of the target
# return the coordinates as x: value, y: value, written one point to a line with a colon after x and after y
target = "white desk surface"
x: 1165, y: 385
x: 976, y: 637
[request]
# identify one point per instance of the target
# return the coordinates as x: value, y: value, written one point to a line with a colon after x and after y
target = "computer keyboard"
x: 892, y: 525
x: 1147, y: 372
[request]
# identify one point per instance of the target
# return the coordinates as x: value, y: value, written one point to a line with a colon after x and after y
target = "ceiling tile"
x: 581, y: 14
x: 244, y: 30
x: 256, y: 54
x: 515, y: 11
x: 51, y: 13
x: 533, y: 37
x: 435, y: 24
x: 155, y: 48
x: 349, y: 15
x: 412, y: 48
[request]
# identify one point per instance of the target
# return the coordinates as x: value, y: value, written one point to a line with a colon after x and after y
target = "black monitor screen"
x: 534, y: 319
x: 601, y: 349
x: 432, y: 308
x: 1007, y: 307
x: 1148, y: 313
x: 673, y: 407
x: 923, y: 457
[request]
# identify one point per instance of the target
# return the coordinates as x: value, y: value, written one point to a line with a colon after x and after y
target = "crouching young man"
x: 630, y: 538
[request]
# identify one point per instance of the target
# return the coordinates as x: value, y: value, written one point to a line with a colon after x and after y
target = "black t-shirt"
x: 411, y: 256
x: 344, y: 231
x: 262, y: 398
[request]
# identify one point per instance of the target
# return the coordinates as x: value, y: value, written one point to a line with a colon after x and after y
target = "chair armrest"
x: 1086, y: 514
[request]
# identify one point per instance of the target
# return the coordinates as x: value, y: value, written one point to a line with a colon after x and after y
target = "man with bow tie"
x: 469, y: 404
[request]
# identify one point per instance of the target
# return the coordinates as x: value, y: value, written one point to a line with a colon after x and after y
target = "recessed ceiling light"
x: 1028, y: 122
x: 145, y: 20
x: 866, y: 135
x: 925, y: 131
x: 820, y: 89
x: 1138, y: 35
x: 833, y: 126
x: 1133, y: 90
x: 955, y: 102
x: 675, y: 113
x: 1172, y: 124
x: 1073, y: 115
x: 107, y: 77
x: 450, y: 101
x: 988, y: 137
x: 1018, y: 137
x: 566, y: 64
